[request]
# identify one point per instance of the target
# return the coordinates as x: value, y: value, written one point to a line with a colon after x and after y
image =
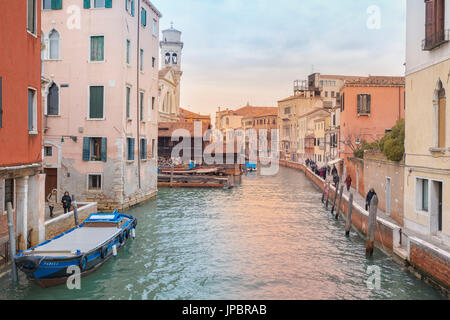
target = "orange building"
x: 189, y: 116
x: 370, y: 107
x: 21, y: 181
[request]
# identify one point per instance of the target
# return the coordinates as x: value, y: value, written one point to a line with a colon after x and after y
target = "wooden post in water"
x: 328, y: 195
x: 75, y: 211
x: 348, y: 224
x: 371, y: 225
x: 12, y: 242
x: 323, y: 193
x: 335, y: 198
x: 341, y: 192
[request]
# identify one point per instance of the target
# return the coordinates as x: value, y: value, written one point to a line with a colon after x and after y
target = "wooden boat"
x: 88, y: 247
x: 178, y: 170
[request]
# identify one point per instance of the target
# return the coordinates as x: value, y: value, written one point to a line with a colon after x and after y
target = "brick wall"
x: 352, y: 165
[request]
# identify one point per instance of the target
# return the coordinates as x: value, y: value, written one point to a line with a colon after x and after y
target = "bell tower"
x: 171, y: 49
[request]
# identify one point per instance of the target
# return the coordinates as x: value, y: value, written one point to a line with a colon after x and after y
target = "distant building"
x: 370, y: 107
x: 21, y: 177
x: 427, y: 144
x: 170, y: 75
x: 100, y: 105
x: 189, y: 116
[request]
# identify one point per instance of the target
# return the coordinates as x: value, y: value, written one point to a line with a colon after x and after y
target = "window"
x: 142, y: 59
x: 422, y: 194
x: 94, y: 149
x: 94, y: 182
x: 153, y: 62
x: 53, y: 38
x: 174, y: 58
x: 32, y: 110
x: 141, y: 106
x: 332, y: 94
x: 435, y: 33
x: 143, y: 149
x: 441, y: 116
x: 287, y: 110
x: 153, y: 148
x: 97, y: 48
x: 155, y: 28
x: 99, y: 3
x: 167, y: 58
x: 343, y: 102
x: 48, y: 151
x: 96, y: 102
x: 128, y: 51
x: 364, y: 104
x: 130, y: 149
x: 128, y: 94
x: 51, y: 4
x: 31, y: 16
x: 144, y: 17
x: 153, y: 103
x: 326, y: 94
x: 53, y: 100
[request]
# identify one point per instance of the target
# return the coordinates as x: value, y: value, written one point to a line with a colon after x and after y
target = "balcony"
x: 435, y: 40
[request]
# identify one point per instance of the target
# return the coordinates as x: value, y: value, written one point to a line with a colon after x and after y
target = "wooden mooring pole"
x: 12, y: 242
x: 328, y: 195
x: 341, y: 192
x: 348, y: 223
x: 171, y: 175
x: 335, y: 199
x: 371, y: 225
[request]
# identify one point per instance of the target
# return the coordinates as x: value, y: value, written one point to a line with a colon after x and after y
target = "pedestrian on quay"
x: 51, y: 198
x: 336, y: 180
x: 334, y: 171
x: 348, y: 182
x: 369, y: 197
x: 66, y: 202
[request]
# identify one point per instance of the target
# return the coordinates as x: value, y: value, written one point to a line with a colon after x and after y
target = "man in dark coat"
x: 369, y: 197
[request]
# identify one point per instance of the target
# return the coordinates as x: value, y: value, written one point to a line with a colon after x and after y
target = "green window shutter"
x: 86, y: 148
x: 143, y: 149
x: 108, y: 4
x: 87, y: 4
x: 144, y: 17
x: 1, y: 104
x: 104, y: 149
x: 359, y: 103
x: 132, y: 8
x: 132, y: 149
x: 128, y: 102
x: 368, y: 103
x: 56, y: 4
x: 96, y: 102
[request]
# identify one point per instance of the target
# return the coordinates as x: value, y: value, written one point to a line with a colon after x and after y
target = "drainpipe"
x: 139, y: 64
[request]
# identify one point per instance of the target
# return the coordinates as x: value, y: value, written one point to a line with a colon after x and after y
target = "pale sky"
x: 239, y: 51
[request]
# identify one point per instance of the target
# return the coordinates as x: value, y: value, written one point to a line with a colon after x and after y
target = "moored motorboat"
x: 87, y: 247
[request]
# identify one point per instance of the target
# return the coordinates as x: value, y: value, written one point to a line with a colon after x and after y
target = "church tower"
x: 171, y: 47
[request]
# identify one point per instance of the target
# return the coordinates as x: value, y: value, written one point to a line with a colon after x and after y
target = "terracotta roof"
x: 251, y: 111
x: 377, y: 81
x: 189, y: 114
x: 299, y: 96
x: 166, y: 129
x: 338, y: 77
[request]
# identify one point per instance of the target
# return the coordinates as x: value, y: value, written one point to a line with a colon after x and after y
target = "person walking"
x: 66, y: 202
x: 369, y: 197
x: 51, y: 198
x: 336, y: 180
x: 334, y: 171
x: 348, y: 182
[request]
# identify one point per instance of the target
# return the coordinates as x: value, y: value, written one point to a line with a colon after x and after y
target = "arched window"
x: 53, y: 100
x: 174, y: 58
x: 53, y: 52
x: 441, y: 105
x: 167, y: 58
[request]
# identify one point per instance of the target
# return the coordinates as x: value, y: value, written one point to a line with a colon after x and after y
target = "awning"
x: 336, y: 161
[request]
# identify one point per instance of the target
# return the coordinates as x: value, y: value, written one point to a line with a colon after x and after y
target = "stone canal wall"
x: 427, y: 261
x: 66, y: 222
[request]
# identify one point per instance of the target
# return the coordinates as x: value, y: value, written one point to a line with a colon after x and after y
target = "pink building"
x: 100, y: 125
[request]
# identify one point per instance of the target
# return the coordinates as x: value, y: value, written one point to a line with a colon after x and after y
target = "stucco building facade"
x: 101, y: 104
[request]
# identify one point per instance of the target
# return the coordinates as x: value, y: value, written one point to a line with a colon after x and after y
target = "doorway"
x: 51, y: 180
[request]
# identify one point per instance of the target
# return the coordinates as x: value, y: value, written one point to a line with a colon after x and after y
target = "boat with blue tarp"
x: 87, y: 246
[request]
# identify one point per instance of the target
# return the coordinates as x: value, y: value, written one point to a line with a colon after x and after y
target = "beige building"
x: 427, y: 144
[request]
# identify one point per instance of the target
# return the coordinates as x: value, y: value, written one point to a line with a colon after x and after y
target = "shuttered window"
x: 132, y: 8
x: 130, y: 148
x: 143, y: 149
x: 364, y: 101
x: 128, y: 102
x: 434, y: 23
x: 31, y: 16
x: 95, y: 149
x: 141, y: 106
x: 96, y: 101
x: 142, y: 59
x: 144, y: 17
x: 32, y: 110
x: 128, y: 51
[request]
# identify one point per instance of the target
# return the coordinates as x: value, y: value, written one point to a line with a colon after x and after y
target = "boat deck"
x: 83, y: 239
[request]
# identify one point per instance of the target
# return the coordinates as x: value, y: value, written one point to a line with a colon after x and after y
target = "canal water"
x: 268, y: 238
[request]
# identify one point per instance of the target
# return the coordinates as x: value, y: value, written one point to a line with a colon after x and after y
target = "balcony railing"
x: 435, y: 40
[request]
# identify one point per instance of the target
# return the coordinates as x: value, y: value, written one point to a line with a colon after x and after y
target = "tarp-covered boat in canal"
x: 88, y: 246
